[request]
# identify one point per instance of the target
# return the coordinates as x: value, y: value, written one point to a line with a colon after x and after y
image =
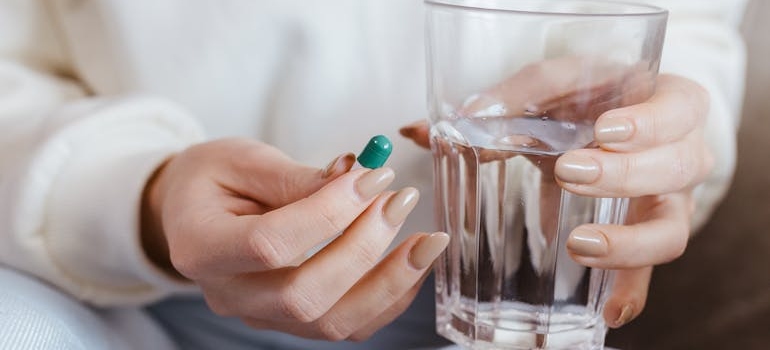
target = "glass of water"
x: 512, y: 85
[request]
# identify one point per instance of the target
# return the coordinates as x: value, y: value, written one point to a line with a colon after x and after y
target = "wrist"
x: 153, y: 238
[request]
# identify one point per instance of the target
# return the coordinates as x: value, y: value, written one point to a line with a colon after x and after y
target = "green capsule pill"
x: 376, y: 152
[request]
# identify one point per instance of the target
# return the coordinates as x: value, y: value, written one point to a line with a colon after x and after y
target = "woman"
x: 106, y: 111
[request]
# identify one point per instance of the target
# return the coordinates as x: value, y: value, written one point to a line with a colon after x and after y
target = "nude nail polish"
x: 410, y: 130
x: 400, y: 205
x: 339, y: 165
x: 427, y: 249
x: 373, y: 182
x: 587, y: 243
x: 626, y: 315
x: 613, y: 130
x: 577, y: 169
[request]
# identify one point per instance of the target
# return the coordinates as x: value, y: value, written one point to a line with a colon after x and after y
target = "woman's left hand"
x: 653, y: 152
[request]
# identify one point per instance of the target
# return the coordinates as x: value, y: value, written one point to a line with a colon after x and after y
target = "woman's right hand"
x: 237, y: 216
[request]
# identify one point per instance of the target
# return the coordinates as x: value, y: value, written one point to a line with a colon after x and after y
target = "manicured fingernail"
x: 400, y: 205
x: 577, y: 169
x: 410, y: 130
x: 626, y: 314
x: 614, y: 130
x: 587, y: 243
x: 484, y: 105
x: 427, y: 249
x: 374, y: 182
x: 339, y: 165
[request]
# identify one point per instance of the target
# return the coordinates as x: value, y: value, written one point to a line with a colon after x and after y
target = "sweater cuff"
x: 90, y: 175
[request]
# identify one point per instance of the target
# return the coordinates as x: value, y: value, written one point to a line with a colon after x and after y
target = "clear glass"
x: 512, y: 85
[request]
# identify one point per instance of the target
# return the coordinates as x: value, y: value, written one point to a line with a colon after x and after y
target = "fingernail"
x: 400, y: 205
x: 614, y: 130
x: 484, y: 105
x: 410, y: 130
x: 626, y: 314
x: 577, y: 169
x: 339, y: 165
x: 374, y: 182
x: 587, y: 243
x: 427, y: 249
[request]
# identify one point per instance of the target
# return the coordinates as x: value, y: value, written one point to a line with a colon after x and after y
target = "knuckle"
x: 697, y: 101
x: 288, y: 183
x: 243, y: 153
x: 265, y: 250
x: 660, y: 131
x: 685, y: 169
x: 188, y: 265
x: 393, y: 293
x: 701, y: 102
x: 295, y: 182
x: 248, y: 151
x: 297, y: 305
x: 331, y: 219
x: 218, y: 306
x: 333, y: 331
x: 365, y: 252
x: 624, y: 173
x: 678, y: 235
x: 682, y: 237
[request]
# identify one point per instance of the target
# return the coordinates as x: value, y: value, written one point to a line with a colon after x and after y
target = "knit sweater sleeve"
x: 703, y: 43
x: 73, y: 168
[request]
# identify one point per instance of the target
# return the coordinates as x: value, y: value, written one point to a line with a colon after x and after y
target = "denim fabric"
x: 193, y: 326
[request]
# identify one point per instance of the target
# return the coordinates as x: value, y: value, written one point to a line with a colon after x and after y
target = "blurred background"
x: 717, y: 296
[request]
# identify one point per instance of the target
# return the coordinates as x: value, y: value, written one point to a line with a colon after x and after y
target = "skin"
x: 224, y: 214
x: 236, y: 216
x: 657, y: 166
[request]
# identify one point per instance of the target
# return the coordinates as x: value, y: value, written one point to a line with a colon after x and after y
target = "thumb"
x: 629, y: 296
x: 273, y: 179
x: 300, y: 181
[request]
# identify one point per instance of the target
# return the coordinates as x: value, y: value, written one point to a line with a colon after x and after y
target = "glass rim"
x: 515, y: 7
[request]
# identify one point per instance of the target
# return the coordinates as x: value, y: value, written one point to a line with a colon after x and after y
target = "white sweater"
x: 95, y: 93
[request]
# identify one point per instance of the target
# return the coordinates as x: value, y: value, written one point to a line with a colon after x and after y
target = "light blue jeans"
x: 192, y: 325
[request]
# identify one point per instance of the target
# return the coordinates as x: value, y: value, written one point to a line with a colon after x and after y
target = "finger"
x: 559, y: 91
x: 267, y: 175
x: 419, y: 132
x: 628, y: 296
x: 314, y: 287
x: 370, y: 302
x: 658, y: 238
x: 287, y: 232
x: 664, y: 169
x: 305, y: 293
x: 377, y: 298
x: 324, y: 278
x: 391, y: 313
x: 678, y: 106
x: 313, y: 331
x: 572, y: 88
x: 250, y: 243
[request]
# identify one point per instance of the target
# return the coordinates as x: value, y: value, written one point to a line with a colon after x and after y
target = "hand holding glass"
x: 513, y: 85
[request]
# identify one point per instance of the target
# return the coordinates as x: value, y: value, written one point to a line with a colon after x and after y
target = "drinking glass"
x: 512, y: 85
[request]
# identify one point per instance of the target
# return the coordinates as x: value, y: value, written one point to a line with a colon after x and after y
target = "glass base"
x: 487, y: 337
x: 457, y: 347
